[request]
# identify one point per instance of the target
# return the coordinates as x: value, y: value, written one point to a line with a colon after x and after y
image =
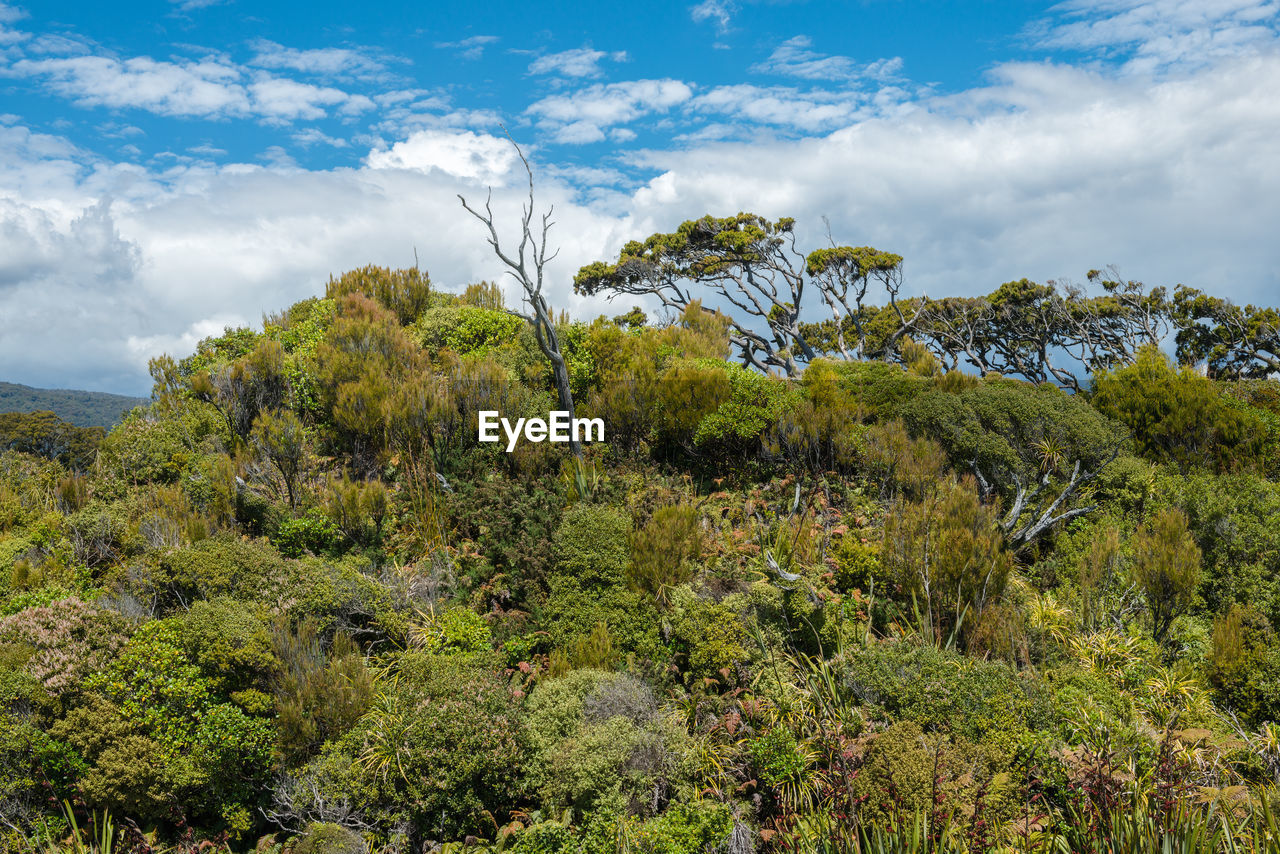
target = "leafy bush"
x: 62, y: 643
x: 591, y: 546
x: 466, y: 329
x: 454, y: 630
x: 943, y: 691
x: 599, y: 740
x: 441, y: 749
x: 1179, y: 416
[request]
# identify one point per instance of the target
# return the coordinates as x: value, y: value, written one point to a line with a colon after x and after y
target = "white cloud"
x: 325, y: 62
x: 206, y: 150
x: 481, y: 157
x: 282, y: 99
x: 578, y: 62
x: 793, y: 58
x: 720, y: 11
x: 1156, y: 34
x: 208, y: 88
x: 57, y: 45
x: 307, y: 137
x: 203, y: 88
x: 781, y: 106
x: 469, y: 48
x: 581, y: 116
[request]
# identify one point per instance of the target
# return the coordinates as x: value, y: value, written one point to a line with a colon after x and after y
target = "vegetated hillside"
x: 876, y: 606
x: 81, y: 408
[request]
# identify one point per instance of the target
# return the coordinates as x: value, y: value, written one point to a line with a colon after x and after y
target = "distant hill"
x: 82, y: 408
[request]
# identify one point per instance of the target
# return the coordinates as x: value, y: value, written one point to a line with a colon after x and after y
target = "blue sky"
x: 168, y: 168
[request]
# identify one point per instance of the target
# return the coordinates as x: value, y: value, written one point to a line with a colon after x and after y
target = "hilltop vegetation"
x: 867, y: 603
x: 81, y: 408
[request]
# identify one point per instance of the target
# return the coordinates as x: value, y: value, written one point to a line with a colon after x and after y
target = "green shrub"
x: 1008, y: 427
x: 1178, y: 416
x: 441, y: 748
x: 466, y: 329
x: 942, y: 691
x: 600, y: 740
x: 663, y: 551
x: 453, y: 630
x: 312, y: 532
x: 329, y: 838
x: 686, y: 828
x: 223, y: 565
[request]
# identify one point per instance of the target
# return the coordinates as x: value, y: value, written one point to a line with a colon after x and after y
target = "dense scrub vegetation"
x: 293, y: 604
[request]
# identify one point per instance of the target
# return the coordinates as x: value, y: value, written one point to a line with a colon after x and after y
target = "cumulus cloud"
x: 468, y: 155
x: 578, y: 62
x: 781, y: 106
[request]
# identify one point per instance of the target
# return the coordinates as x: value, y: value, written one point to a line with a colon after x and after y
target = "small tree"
x: 528, y: 267
x: 281, y: 439
x: 948, y: 554
x: 1166, y: 568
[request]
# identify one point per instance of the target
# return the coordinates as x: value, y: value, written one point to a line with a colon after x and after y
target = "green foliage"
x: 1244, y: 666
x: 1232, y: 521
x: 1179, y: 416
x: 685, y: 828
x: 454, y: 630
x: 755, y: 402
x: 46, y: 435
x: 600, y: 739
x: 591, y: 545
x: 943, y: 691
x: 1167, y: 568
x: 947, y: 556
x: 295, y: 593
x: 880, y: 389
x: 313, y: 532
x: 440, y: 748
x: 1012, y: 428
x: 467, y: 328
x: 329, y: 838
x: 154, y: 731
x: 320, y: 693
x: 662, y: 550
x: 219, y: 566
x: 406, y: 293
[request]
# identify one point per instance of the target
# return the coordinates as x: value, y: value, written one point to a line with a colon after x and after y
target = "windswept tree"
x: 1044, y: 332
x: 528, y: 267
x: 752, y: 264
x: 1233, y: 342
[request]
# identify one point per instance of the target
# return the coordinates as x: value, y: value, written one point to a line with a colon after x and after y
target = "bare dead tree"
x: 528, y: 267
x: 1037, y: 498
